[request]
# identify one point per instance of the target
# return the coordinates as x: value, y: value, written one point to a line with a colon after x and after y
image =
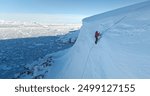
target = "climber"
x: 97, y: 35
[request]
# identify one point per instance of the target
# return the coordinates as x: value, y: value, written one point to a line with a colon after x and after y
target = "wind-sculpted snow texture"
x: 122, y: 52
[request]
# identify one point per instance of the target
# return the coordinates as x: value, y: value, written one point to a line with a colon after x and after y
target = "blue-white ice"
x: 122, y: 52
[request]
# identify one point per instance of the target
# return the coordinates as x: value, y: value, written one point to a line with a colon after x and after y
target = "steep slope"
x: 122, y: 52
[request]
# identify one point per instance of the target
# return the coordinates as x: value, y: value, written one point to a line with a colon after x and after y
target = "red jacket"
x: 97, y: 34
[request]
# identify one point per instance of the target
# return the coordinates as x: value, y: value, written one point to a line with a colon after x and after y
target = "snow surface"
x: 122, y: 52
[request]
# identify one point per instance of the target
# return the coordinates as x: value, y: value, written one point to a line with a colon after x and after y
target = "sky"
x: 57, y: 11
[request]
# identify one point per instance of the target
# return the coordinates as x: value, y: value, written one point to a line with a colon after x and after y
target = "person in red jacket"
x: 97, y: 34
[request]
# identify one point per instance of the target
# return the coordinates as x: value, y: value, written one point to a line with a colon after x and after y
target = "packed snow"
x: 122, y: 51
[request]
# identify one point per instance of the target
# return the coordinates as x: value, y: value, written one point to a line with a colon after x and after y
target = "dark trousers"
x: 96, y: 40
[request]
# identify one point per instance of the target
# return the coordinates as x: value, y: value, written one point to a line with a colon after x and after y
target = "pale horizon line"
x: 43, y: 18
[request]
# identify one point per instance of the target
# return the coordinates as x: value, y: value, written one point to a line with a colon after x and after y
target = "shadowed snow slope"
x: 122, y: 52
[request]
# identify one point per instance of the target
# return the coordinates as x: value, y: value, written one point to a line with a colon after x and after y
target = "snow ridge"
x: 123, y: 52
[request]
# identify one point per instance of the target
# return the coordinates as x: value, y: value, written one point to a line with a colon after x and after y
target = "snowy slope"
x: 122, y: 52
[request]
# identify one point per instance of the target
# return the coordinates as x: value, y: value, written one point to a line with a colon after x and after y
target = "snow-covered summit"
x: 121, y: 11
x: 122, y: 52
